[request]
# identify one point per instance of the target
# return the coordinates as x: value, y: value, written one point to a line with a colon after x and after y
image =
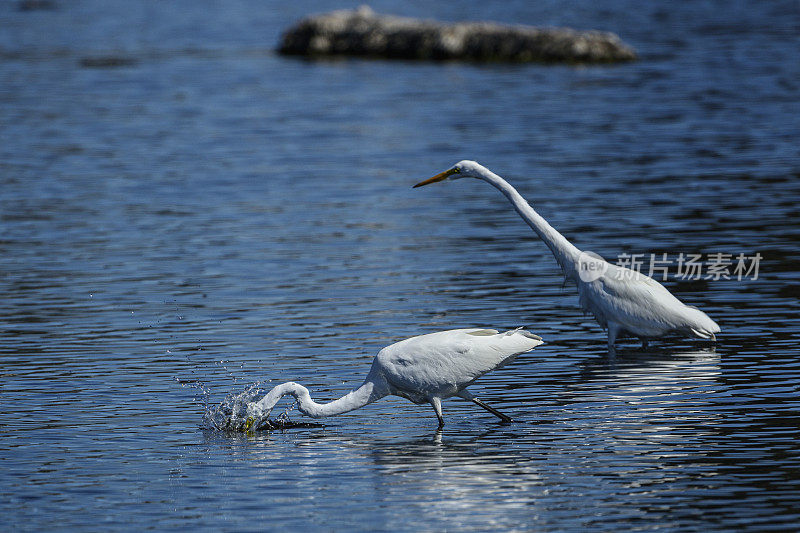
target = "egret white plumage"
x: 423, y: 369
x: 623, y: 301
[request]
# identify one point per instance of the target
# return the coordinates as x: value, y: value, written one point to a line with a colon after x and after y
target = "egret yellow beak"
x: 437, y: 177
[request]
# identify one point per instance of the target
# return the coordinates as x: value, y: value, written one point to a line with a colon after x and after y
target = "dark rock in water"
x: 35, y: 5
x: 245, y: 425
x: 282, y: 424
x: 364, y: 33
x: 107, y: 61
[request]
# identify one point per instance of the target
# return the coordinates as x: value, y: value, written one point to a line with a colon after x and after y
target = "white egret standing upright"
x: 622, y: 300
x: 423, y: 369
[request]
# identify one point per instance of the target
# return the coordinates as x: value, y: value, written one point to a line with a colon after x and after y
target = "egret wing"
x: 635, y: 301
x: 442, y: 364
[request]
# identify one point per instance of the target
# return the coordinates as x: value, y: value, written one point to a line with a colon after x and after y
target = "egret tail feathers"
x: 704, y: 334
x: 522, y: 331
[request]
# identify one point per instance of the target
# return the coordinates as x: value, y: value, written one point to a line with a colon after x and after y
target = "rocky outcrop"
x: 362, y: 32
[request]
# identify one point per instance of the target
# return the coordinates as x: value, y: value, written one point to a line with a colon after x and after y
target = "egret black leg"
x: 506, y: 419
x: 437, y: 407
x: 613, y: 331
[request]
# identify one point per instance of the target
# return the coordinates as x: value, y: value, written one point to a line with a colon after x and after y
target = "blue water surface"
x: 207, y: 214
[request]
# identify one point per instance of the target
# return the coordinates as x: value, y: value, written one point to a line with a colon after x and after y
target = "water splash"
x: 231, y: 414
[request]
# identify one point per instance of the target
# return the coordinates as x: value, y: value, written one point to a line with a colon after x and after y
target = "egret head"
x: 462, y: 169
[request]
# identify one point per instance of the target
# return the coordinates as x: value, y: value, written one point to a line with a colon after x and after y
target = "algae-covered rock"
x: 362, y: 32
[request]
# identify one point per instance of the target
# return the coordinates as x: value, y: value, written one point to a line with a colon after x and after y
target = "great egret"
x: 622, y: 300
x: 423, y: 369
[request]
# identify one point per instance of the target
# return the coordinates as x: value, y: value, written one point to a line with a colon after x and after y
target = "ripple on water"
x: 216, y: 213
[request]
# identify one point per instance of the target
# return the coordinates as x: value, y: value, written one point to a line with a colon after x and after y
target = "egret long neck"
x: 350, y: 401
x: 564, y: 251
x: 368, y: 392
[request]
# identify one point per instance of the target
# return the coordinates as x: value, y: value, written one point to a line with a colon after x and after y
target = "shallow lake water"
x: 208, y: 214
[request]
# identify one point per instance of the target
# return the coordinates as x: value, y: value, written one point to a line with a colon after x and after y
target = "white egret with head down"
x: 623, y: 301
x: 423, y: 369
